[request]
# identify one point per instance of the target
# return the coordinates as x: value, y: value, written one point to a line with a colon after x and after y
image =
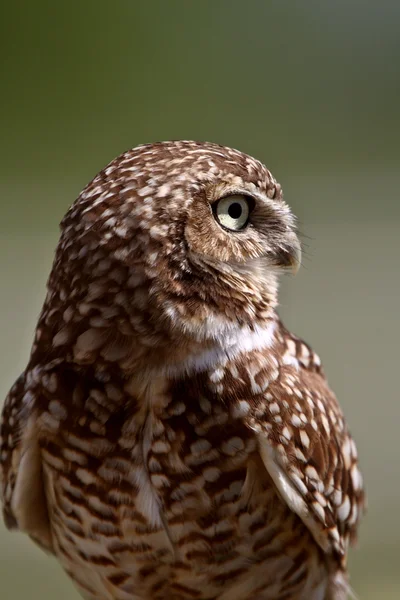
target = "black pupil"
x: 235, y: 210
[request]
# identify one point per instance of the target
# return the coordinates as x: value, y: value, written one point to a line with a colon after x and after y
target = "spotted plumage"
x: 169, y: 438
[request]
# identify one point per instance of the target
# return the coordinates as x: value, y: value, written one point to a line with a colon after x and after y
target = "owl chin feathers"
x: 228, y: 308
x: 198, y: 338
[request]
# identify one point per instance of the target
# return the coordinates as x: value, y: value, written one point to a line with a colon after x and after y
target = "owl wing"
x: 306, y: 447
x: 21, y: 481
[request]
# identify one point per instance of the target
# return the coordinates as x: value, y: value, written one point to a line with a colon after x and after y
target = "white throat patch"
x: 237, y: 341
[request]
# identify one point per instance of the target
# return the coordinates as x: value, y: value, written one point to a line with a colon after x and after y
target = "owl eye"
x: 232, y: 212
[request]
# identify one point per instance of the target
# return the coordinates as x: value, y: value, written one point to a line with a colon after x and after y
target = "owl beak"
x: 296, y: 257
x: 289, y: 255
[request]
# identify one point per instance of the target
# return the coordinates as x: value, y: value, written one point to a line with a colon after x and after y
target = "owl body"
x: 169, y: 437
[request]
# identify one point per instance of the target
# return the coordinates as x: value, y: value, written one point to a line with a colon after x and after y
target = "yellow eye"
x: 232, y: 212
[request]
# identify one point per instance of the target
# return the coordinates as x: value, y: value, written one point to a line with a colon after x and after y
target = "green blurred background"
x: 313, y: 90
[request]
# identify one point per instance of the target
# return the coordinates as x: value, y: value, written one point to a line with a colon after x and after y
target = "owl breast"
x: 169, y: 502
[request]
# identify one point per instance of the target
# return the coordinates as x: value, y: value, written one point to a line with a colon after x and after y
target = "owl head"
x: 173, y: 244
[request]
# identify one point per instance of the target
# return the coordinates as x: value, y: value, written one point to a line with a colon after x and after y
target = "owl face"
x: 179, y: 238
x: 233, y: 224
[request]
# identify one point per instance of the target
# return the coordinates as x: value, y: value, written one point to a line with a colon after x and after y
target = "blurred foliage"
x: 313, y: 90
x: 303, y: 86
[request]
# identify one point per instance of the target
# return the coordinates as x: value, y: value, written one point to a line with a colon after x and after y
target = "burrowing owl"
x: 169, y: 438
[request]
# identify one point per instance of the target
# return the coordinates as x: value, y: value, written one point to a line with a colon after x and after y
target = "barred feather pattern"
x: 169, y: 437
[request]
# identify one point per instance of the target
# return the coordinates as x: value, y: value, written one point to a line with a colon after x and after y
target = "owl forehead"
x: 177, y: 164
x: 160, y: 178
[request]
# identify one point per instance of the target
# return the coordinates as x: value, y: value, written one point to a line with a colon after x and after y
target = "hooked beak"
x: 288, y: 256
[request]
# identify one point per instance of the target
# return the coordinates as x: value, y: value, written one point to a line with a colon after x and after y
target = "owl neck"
x: 179, y: 354
x: 150, y: 384
x: 237, y: 341
x: 129, y: 332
